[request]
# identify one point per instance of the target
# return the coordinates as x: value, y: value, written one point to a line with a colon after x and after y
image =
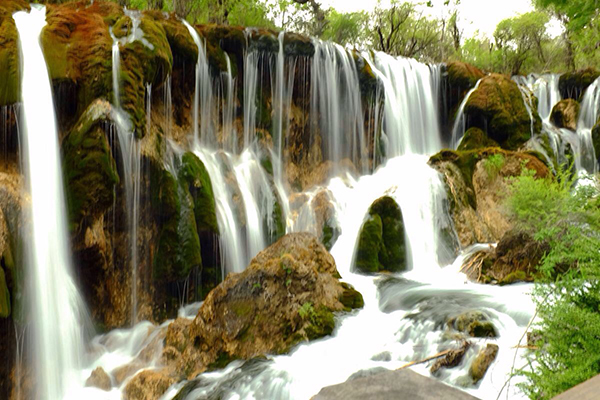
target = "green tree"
x: 346, y: 28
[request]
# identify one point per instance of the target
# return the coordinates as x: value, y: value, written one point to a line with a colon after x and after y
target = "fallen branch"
x: 438, y: 355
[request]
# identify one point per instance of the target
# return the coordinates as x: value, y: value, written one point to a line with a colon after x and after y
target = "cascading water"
x: 57, y: 312
x: 460, y: 123
x: 411, y: 122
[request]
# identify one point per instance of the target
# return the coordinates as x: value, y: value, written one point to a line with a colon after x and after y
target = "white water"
x: 404, y: 315
x: 411, y: 123
x: 562, y: 141
x: 460, y: 122
x: 57, y: 313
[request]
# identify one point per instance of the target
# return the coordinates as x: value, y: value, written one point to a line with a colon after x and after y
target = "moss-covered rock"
x: 178, y: 244
x: 77, y: 47
x: 179, y: 38
x: 89, y: 167
x: 476, y: 189
x: 297, y: 45
x: 193, y: 173
x: 596, y: 140
x: 483, y: 361
x: 473, y: 323
x: 497, y: 107
x: 475, y: 138
x: 381, y: 245
x: 288, y: 294
x: 572, y: 85
x: 10, y: 81
x: 565, y: 114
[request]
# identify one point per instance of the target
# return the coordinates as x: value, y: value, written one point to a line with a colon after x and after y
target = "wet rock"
x: 384, y: 356
x: 99, y: 379
x: 10, y: 81
x: 475, y: 138
x: 287, y: 294
x: 482, y: 362
x: 120, y: 374
x: 572, y: 85
x: 565, y: 114
x: 515, y: 259
x: 324, y: 210
x: 473, y: 323
x: 381, y: 243
x: 497, y: 108
x: 147, y: 385
x: 450, y: 360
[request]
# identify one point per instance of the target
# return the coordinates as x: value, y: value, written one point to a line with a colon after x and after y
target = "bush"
x: 567, y: 295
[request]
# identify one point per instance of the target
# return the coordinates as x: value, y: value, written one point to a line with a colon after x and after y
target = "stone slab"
x: 392, y: 385
x: 588, y: 390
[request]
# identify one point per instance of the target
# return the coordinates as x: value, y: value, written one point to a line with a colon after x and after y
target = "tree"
x: 518, y: 37
x: 346, y: 28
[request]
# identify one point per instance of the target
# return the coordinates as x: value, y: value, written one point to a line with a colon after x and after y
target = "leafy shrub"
x: 567, y: 217
x: 493, y: 164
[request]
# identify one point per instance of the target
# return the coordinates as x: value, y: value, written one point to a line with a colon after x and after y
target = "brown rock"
x: 100, y: 379
x: 147, y: 385
x: 482, y: 362
x: 565, y: 114
x: 287, y: 294
x: 450, y: 360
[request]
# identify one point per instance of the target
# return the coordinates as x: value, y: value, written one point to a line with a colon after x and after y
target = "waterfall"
x: 336, y: 107
x: 545, y: 89
x: 57, y: 312
x: 411, y: 122
x: 460, y: 122
x: 589, y: 116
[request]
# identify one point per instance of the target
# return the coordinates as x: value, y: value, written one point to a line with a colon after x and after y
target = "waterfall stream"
x: 57, y: 313
x: 405, y: 315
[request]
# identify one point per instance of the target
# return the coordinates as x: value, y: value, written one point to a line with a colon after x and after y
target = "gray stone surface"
x: 588, y: 390
x: 392, y: 385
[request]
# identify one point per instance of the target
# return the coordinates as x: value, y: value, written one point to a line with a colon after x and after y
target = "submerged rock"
x: 483, y: 361
x: 381, y: 242
x: 99, y: 379
x: 287, y: 294
x: 565, y: 114
x: 497, y: 107
x: 147, y: 385
x: 473, y: 323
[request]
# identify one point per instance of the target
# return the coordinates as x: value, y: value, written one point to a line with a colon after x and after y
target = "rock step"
x: 397, y: 385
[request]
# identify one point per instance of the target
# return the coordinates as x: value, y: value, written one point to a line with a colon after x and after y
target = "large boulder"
x: 477, y: 189
x: 565, y: 114
x: 381, y: 242
x: 287, y: 294
x: 498, y: 108
x: 572, y: 85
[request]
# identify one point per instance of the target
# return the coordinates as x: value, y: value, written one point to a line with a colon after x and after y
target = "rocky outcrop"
x: 477, y: 189
x: 565, y: 114
x: 514, y: 259
x: 381, y: 242
x: 457, y: 79
x: 572, y: 85
x: 482, y: 362
x: 287, y: 294
x: 147, y: 385
x: 497, y: 107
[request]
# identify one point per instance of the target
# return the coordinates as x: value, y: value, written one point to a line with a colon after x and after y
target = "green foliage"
x: 346, y: 28
x: 568, y: 294
x: 493, y: 164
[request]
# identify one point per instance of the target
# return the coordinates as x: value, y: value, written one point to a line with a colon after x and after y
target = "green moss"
x: 351, y: 298
x: 88, y: 165
x: 573, y: 84
x: 516, y: 276
x: 297, y: 45
x: 329, y: 235
x: 4, y: 296
x: 178, y: 244
x: 482, y: 362
x: 482, y: 329
x: 475, y: 138
x: 193, y: 173
x: 10, y: 77
x: 370, y: 242
x: 321, y: 322
x: 181, y: 42
x: 497, y: 107
x: 241, y: 308
x: 279, y: 225
x: 393, y: 253
x: 223, y: 359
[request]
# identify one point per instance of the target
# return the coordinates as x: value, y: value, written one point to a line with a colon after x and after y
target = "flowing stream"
x: 57, y: 313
